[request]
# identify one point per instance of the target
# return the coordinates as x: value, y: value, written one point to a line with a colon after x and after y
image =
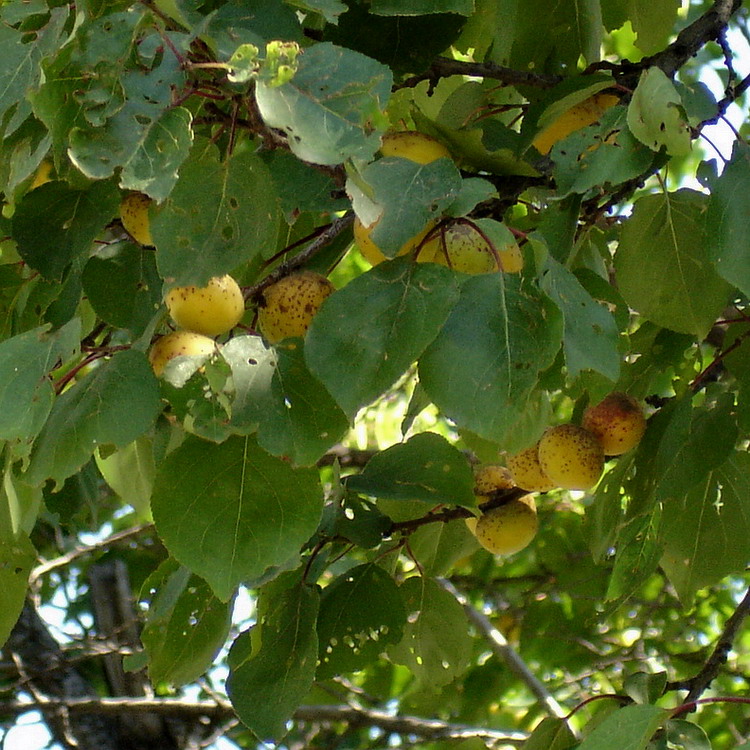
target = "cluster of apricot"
x: 567, y: 456
x: 286, y: 308
x: 460, y: 244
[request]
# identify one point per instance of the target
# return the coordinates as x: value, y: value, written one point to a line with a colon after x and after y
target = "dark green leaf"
x: 421, y: 7
x: 229, y: 511
x: 219, y: 215
x: 551, y: 734
x: 17, y: 557
x: 185, y: 627
x: 481, y: 369
x: 426, y: 467
x: 644, y: 687
x: 271, y: 677
x: 361, y: 612
x: 115, y: 404
x: 684, y: 735
x: 631, y: 727
x: 663, y: 268
x: 358, y: 351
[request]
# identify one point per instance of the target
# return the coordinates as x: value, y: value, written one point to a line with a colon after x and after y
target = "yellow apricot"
x: 213, y: 309
x: 571, y: 457
x: 371, y: 252
x: 490, y: 478
x: 617, y: 422
x: 413, y: 145
x: 527, y: 471
x: 135, y: 218
x: 508, y: 528
x: 177, y: 344
x: 579, y: 116
x: 289, y: 305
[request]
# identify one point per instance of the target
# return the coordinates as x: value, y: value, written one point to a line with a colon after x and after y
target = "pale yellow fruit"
x: 212, y: 309
x: 43, y: 174
x: 135, y: 217
x: 471, y: 524
x: 491, y: 478
x: 577, y: 117
x: 617, y: 422
x: 413, y: 145
x: 571, y: 457
x: 460, y: 247
x: 508, y: 528
x: 177, y: 344
x: 371, y: 252
x: 289, y: 306
x: 527, y: 472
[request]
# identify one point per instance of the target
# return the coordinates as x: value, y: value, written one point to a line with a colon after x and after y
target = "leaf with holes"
x: 220, y: 214
x: 185, y: 627
x: 361, y: 612
x: 436, y: 646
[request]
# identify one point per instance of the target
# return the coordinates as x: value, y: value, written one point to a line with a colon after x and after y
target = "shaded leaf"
x: 229, y: 511
x: 17, y: 558
x: 358, y: 351
x: 631, y: 727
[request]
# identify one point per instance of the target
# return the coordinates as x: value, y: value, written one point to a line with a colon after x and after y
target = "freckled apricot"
x: 571, y: 457
x: 617, y: 422
x: 213, y: 309
x: 527, y: 471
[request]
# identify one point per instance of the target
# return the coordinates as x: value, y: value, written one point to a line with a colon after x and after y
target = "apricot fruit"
x: 571, y: 457
x: 135, y: 218
x: 508, y: 528
x: 42, y: 175
x: 413, y: 145
x: 527, y: 472
x: 211, y: 310
x: 491, y: 478
x: 288, y: 306
x: 617, y: 422
x: 371, y: 252
x: 177, y: 344
x: 579, y: 116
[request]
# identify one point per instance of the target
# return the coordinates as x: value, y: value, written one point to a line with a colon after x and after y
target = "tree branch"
x: 506, y: 653
x: 219, y: 710
x: 698, y: 684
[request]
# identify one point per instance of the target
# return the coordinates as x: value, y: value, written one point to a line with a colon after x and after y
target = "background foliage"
x: 289, y: 519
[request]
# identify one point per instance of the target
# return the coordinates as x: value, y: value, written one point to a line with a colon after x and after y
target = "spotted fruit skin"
x: 289, y: 306
x: 134, y: 216
x: 371, y: 252
x: 211, y: 310
x: 491, y: 478
x: 176, y: 344
x: 617, y: 422
x: 413, y: 145
x: 577, y: 117
x: 571, y: 457
x: 460, y: 247
x: 508, y: 528
x: 527, y: 472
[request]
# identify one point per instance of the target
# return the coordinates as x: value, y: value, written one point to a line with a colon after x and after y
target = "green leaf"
x: 130, y: 471
x: 330, y: 106
x: 644, y: 687
x: 185, y: 627
x: 655, y: 114
x: 684, y: 735
x: 123, y: 286
x: 17, y: 558
x: 426, y: 467
x: 436, y: 646
x: 117, y: 403
x: 329, y: 9
x: 359, y: 521
x: 602, y: 154
x: 728, y: 230
x: 652, y: 22
x: 230, y: 511
x: 26, y: 393
x: 550, y: 734
x: 361, y: 612
x: 637, y: 556
x: 590, y: 333
x: 483, y: 366
x: 663, y: 267
x: 275, y: 392
x: 421, y: 7
x: 219, y: 215
x: 359, y: 350
x: 53, y: 225
x: 267, y: 683
x: 438, y: 546
x: 407, y: 197
x: 706, y: 532
x: 19, y: 502
x: 630, y: 728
